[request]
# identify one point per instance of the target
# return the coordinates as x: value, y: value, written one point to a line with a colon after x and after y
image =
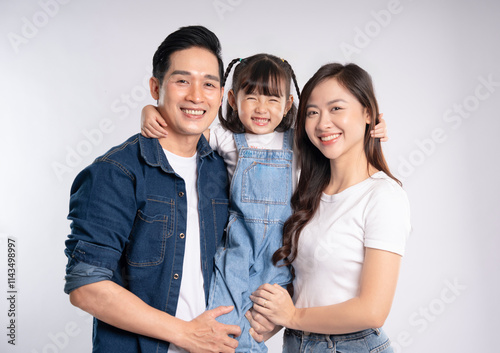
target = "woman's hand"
x: 380, y: 130
x: 152, y: 123
x: 274, y: 302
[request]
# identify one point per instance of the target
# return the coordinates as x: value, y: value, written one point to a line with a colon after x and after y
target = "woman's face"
x: 336, y: 121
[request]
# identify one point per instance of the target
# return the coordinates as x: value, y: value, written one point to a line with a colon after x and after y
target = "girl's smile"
x: 259, y: 113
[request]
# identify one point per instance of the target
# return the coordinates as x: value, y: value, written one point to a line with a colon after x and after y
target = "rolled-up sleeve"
x: 82, y: 274
x: 103, y: 205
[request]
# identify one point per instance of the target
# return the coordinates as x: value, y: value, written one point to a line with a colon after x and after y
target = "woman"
x: 350, y: 223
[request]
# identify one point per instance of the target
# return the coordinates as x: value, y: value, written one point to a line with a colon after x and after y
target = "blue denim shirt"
x: 128, y: 211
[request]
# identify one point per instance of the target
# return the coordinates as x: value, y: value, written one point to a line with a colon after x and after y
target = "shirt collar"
x: 153, y: 154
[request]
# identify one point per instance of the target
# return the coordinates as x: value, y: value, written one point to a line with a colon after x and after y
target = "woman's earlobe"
x: 368, y: 117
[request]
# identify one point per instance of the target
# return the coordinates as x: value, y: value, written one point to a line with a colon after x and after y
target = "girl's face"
x: 336, y: 121
x: 260, y: 114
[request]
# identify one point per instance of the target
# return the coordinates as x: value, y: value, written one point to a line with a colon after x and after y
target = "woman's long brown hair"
x: 315, y: 170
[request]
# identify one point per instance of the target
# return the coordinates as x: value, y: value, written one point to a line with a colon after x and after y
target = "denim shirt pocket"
x: 153, y: 226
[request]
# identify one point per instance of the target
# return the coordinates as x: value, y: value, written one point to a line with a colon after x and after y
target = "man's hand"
x: 205, y: 334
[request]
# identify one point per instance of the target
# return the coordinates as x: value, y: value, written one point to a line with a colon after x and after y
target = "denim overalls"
x: 259, y: 205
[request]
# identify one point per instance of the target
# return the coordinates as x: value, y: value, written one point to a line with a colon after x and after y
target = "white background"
x: 70, y: 68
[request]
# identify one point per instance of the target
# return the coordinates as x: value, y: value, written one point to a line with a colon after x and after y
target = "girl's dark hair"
x: 262, y: 74
x: 314, y: 166
x: 185, y: 38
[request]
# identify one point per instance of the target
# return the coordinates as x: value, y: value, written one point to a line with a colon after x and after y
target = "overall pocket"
x: 266, y: 183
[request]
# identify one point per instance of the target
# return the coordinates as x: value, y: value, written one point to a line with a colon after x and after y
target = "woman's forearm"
x: 350, y: 316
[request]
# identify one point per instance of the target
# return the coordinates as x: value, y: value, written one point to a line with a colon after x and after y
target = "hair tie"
x: 241, y: 59
x: 282, y: 59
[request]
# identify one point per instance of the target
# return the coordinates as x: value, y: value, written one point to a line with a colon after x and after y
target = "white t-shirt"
x: 374, y: 214
x: 191, y: 301
x: 222, y: 141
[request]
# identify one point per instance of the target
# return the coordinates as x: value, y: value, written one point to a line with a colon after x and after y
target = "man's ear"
x: 154, y: 88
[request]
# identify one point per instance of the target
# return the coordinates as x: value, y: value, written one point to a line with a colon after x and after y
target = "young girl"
x: 255, y: 140
x: 349, y: 227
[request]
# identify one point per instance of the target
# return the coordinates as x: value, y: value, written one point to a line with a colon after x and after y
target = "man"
x: 147, y: 217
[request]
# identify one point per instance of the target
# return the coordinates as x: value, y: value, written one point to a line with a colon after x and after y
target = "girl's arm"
x: 380, y: 130
x: 152, y: 123
x: 368, y: 310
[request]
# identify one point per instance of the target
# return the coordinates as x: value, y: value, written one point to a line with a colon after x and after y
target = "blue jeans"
x: 259, y: 205
x: 366, y: 341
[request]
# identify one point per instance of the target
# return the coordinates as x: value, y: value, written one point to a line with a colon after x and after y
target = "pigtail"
x: 223, y: 83
x: 294, y: 79
x: 289, y: 119
x: 228, y: 70
x: 236, y: 126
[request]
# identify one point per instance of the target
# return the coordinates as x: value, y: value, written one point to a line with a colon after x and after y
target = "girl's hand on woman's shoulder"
x: 380, y: 130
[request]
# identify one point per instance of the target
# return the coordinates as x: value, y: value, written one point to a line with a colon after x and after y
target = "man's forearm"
x: 119, y: 307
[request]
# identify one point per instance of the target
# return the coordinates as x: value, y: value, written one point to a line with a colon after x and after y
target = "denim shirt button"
x: 182, y: 235
x: 176, y: 276
x: 181, y: 194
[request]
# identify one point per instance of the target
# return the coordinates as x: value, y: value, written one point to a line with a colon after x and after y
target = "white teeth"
x: 260, y: 120
x: 193, y: 112
x: 329, y: 138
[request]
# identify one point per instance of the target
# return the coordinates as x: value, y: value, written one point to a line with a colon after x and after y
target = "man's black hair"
x: 185, y: 38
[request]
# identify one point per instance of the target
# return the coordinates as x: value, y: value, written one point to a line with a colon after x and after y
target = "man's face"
x: 190, y: 95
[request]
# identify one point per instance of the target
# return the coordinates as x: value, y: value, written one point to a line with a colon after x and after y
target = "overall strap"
x: 288, y: 140
x: 240, y: 140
